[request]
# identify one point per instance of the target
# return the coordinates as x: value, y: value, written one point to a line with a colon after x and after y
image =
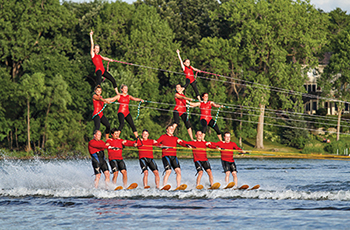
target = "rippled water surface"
x: 303, y: 194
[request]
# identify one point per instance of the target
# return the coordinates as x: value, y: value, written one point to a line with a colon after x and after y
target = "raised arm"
x: 181, y: 62
x: 135, y: 99
x: 92, y: 53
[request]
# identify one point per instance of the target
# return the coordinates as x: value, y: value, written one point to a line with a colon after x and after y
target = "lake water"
x: 59, y: 194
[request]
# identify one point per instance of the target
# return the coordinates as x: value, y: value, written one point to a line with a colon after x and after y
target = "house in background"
x: 312, y: 102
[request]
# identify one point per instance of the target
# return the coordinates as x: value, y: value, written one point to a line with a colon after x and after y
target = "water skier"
x: 180, y: 110
x: 206, y: 118
x: 188, y: 70
x: 96, y: 149
x: 228, y: 163
x: 98, y: 116
x: 115, y: 156
x: 168, y: 143
x: 200, y: 157
x: 145, y: 147
x: 123, y: 111
x: 99, y: 68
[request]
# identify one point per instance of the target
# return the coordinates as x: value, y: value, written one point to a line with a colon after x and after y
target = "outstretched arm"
x: 135, y: 99
x: 181, y: 62
x: 113, y: 99
x: 106, y: 59
x: 182, y: 97
x: 97, y: 98
x: 195, y: 69
x: 216, y: 105
x: 92, y: 53
x: 197, y: 104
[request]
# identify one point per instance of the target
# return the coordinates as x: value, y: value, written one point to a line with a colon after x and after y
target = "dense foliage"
x: 48, y: 78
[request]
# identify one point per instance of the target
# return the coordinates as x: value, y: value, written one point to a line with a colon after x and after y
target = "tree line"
x: 48, y: 77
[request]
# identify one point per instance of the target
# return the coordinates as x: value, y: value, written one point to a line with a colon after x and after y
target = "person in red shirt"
x: 180, y: 110
x: 96, y: 149
x: 145, y: 147
x: 123, y: 111
x: 168, y: 143
x: 97, y: 60
x: 200, y: 156
x: 98, y: 117
x: 188, y: 70
x: 206, y: 118
x: 115, y: 156
x: 228, y: 163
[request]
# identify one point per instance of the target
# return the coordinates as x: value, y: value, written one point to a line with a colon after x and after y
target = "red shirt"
x: 180, y: 104
x: 98, y: 105
x: 115, y: 154
x: 146, y: 148
x: 205, y: 108
x: 227, y: 154
x: 124, y: 104
x: 96, y: 146
x: 200, y: 152
x: 168, y: 141
x: 97, y: 60
x: 189, y: 73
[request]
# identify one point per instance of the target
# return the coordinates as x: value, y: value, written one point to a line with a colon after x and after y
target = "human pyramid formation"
x: 167, y: 142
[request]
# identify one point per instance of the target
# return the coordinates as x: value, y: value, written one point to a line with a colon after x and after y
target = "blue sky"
x: 326, y: 5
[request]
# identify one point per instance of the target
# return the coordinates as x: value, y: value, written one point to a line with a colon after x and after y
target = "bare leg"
x: 235, y: 179
x: 211, y: 178
x: 199, y: 98
x: 145, y: 178
x: 115, y: 175
x: 178, y: 176
x: 107, y: 180
x: 166, y: 176
x: 203, y: 136
x: 220, y: 137
x: 107, y: 136
x: 189, y: 130
x: 157, y: 179
x: 136, y: 134
x: 125, y: 178
x: 97, y: 179
x: 116, y: 90
x: 227, y: 176
x: 199, y: 177
x: 174, y: 125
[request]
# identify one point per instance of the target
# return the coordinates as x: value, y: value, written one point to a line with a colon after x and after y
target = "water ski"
x: 199, y: 187
x: 132, y: 186
x: 215, y: 186
x: 166, y: 187
x: 119, y: 188
x: 243, y: 187
x: 255, y: 187
x: 230, y: 185
x: 181, y: 187
x: 147, y: 187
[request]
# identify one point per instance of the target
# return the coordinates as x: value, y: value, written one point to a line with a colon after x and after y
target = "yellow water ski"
x: 166, y: 187
x: 243, y: 187
x: 119, y: 188
x: 181, y: 187
x: 255, y: 187
x: 147, y: 187
x: 215, y: 186
x: 199, y: 187
x: 230, y: 185
x: 132, y: 186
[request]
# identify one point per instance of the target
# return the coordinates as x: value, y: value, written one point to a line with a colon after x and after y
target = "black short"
x: 170, y: 162
x: 148, y: 162
x: 99, y: 163
x: 117, y: 165
x: 202, y: 164
x: 229, y: 166
x: 183, y: 117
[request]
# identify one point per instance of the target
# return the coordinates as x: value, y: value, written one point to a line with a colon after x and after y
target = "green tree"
x: 336, y: 76
x: 274, y: 47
